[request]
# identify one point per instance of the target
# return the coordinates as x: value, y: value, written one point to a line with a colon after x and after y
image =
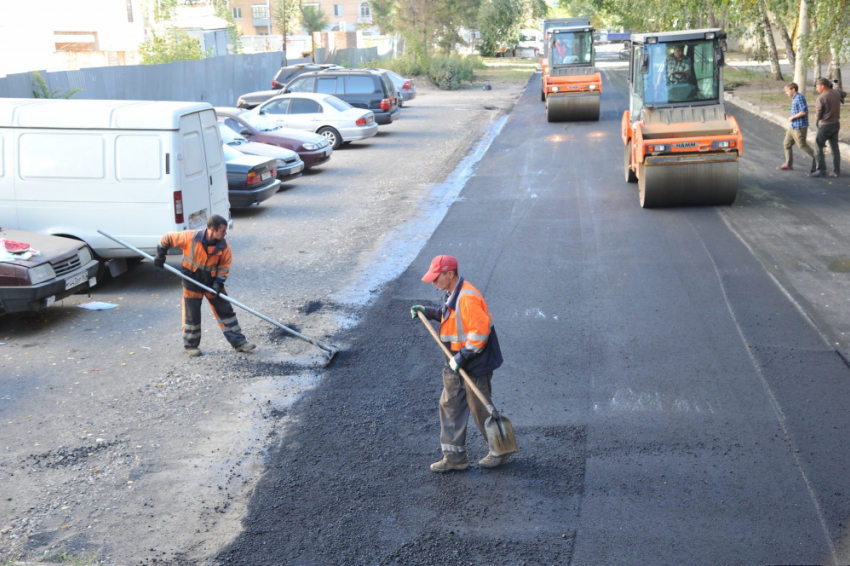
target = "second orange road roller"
x: 572, y: 87
x: 680, y: 145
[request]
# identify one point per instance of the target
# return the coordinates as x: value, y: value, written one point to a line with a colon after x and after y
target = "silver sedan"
x: 325, y: 114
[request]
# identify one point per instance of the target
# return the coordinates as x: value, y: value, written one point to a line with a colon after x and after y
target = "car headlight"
x: 85, y: 255
x: 41, y: 273
x: 280, y: 163
x: 555, y: 89
x: 311, y: 146
x: 592, y: 87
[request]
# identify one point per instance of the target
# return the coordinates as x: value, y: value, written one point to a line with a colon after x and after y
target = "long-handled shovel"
x: 499, y: 430
x: 328, y: 350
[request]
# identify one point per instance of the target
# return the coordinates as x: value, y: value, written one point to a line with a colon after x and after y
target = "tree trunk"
x: 775, y: 71
x: 786, y: 39
x: 834, y: 71
x: 712, y: 19
x: 723, y: 18
x: 800, y: 59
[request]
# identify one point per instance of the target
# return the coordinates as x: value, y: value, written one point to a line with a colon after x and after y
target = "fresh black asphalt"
x: 672, y: 406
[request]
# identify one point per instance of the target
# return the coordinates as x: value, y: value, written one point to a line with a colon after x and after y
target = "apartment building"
x: 252, y: 16
x: 57, y: 35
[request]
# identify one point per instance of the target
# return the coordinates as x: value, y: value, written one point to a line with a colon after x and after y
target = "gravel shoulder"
x: 119, y: 449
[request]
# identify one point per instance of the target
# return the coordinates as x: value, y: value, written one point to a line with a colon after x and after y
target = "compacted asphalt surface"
x: 672, y: 403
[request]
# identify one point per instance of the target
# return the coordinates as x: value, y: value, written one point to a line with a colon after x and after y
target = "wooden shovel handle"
x: 493, y: 412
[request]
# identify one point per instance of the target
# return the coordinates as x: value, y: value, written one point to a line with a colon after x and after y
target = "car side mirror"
x: 245, y: 132
x: 644, y: 63
x: 262, y: 112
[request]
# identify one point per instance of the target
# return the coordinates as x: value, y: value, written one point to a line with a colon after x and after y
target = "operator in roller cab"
x: 680, y: 146
x: 572, y: 87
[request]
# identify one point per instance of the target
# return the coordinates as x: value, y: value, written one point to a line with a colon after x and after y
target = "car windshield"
x: 337, y: 104
x: 230, y: 137
x: 259, y: 123
x: 682, y: 71
x: 571, y: 48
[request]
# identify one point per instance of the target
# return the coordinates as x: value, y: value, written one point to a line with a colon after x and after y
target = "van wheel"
x: 331, y: 135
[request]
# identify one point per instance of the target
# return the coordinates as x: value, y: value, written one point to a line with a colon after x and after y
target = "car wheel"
x: 331, y: 135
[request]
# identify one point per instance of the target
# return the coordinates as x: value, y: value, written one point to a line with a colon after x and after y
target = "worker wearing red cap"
x: 466, y: 328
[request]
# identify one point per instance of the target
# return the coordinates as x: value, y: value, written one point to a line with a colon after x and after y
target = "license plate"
x: 265, y: 175
x: 76, y: 280
x: 197, y: 219
x: 370, y: 120
x: 298, y: 169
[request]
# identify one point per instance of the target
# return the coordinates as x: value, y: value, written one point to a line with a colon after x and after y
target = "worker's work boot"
x: 192, y: 352
x: 245, y: 347
x: 446, y: 465
x: 491, y: 460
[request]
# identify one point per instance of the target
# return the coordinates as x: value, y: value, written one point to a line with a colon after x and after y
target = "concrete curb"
x: 843, y: 147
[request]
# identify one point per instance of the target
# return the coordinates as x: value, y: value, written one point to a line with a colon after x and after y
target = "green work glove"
x: 416, y: 308
x: 454, y: 366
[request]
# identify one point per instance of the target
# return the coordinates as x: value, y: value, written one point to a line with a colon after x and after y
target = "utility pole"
x: 283, y: 8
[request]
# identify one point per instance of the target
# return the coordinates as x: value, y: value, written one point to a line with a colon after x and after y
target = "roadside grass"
x: 503, y: 69
x: 756, y: 86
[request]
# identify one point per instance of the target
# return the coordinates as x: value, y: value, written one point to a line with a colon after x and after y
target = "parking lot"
x: 116, y: 443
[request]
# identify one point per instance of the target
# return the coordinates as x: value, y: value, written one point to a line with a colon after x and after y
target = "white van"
x: 135, y: 169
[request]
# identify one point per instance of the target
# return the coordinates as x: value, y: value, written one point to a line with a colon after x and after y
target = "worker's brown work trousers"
x: 798, y: 138
x: 455, y: 405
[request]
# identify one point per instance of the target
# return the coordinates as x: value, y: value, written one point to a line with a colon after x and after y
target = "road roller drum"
x: 572, y: 107
x: 701, y: 182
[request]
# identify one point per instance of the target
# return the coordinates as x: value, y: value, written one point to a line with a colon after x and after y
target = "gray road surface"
x: 673, y: 403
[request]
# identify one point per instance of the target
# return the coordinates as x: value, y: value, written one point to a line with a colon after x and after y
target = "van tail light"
x: 252, y: 177
x: 406, y: 85
x: 385, y: 104
x: 361, y: 121
x: 178, y: 207
x: 274, y: 85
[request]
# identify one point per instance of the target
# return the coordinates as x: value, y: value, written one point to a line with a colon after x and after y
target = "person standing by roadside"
x: 466, y: 329
x: 828, y: 108
x: 206, y: 259
x: 799, y: 129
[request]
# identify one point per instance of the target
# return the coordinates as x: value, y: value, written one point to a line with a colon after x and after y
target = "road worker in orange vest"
x: 206, y: 259
x: 466, y: 328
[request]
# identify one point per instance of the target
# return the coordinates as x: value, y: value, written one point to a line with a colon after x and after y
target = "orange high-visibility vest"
x: 471, y: 329
x: 201, y: 264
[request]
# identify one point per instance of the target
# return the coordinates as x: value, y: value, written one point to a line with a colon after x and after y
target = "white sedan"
x: 325, y: 114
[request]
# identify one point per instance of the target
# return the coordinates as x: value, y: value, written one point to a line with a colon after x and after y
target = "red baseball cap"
x: 439, y: 264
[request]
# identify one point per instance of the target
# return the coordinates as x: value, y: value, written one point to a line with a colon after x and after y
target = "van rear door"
x: 193, y: 204
x: 8, y: 205
x: 215, y: 164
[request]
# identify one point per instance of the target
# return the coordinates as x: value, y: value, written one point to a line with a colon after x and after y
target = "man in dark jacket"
x: 828, y: 108
x: 466, y: 329
x: 206, y: 259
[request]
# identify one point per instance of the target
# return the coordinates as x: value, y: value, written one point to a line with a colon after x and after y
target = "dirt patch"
x: 117, y: 445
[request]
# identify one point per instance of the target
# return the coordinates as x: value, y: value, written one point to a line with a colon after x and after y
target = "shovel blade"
x: 500, y: 436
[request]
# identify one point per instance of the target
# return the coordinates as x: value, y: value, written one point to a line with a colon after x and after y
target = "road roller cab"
x: 572, y: 87
x: 680, y: 146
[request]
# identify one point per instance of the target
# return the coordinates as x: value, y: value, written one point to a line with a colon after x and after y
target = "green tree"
x: 500, y: 22
x: 174, y: 45
x: 41, y: 90
x: 314, y: 20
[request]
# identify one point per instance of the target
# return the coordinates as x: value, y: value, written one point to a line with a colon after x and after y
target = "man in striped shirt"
x: 796, y: 134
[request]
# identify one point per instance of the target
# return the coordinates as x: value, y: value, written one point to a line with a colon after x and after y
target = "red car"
x: 313, y: 149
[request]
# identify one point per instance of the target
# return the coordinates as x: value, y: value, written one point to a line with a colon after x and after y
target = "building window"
x: 260, y: 12
x: 337, y: 10
x: 237, y: 13
x: 130, y: 11
x: 365, y: 10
